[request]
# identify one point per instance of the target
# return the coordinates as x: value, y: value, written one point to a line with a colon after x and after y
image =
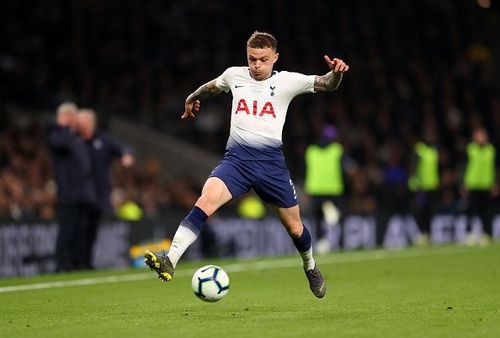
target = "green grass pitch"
x: 450, y: 291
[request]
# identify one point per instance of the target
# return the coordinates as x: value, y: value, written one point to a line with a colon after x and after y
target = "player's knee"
x: 205, y: 204
x: 295, y: 229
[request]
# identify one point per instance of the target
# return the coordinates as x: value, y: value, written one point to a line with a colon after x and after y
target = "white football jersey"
x: 259, y: 110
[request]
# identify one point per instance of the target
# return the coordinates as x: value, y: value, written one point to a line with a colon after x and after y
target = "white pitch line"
x: 75, y: 282
x: 237, y: 267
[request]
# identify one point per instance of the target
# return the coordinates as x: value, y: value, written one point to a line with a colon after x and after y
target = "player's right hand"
x: 190, y: 108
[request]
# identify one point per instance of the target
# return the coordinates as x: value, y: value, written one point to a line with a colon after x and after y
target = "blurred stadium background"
x: 417, y: 68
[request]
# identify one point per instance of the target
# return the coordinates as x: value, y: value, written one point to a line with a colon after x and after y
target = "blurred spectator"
x: 26, y: 187
x: 125, y: 207
x: 394, y: 195
x: 250, y: 207
x: 424, y: 183
x: 324, y: 182
x: 101, y: 149
x: 479, y: 179
x: 76, y: 193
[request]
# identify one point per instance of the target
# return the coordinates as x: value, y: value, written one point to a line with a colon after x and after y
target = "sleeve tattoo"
x: 209, y: 89
x: 328, y: 82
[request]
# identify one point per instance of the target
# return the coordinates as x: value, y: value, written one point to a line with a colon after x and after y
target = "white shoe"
x: 423, y: 240
x: 472, y: 239
x: 331, y: 213
x: 322, y: 246
x: 484, y: 240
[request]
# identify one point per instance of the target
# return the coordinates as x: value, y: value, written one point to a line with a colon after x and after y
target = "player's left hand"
x: 336, y: 65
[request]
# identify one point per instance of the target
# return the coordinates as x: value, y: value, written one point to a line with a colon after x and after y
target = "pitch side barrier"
x: 27, y: 248
x: 236, y: 237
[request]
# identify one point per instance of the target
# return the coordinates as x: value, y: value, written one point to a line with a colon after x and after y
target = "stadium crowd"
x: 28, y: 190
x: 417, y: 68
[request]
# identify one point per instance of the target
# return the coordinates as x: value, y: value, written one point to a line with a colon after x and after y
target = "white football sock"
x: 307, y: 259
x: 183, y: 238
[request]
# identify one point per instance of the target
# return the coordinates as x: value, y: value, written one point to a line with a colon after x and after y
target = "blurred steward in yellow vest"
x: 324, y: 182
x: 424, y: 183
x: 251, y: 207
x: 479, y: 178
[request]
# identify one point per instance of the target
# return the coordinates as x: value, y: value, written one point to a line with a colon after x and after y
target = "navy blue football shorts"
x: 269, y: 178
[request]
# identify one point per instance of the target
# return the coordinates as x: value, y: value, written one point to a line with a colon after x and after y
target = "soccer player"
x: 254, y: 158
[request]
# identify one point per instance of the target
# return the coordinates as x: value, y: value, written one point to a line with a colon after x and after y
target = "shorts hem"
x: 225, y: 183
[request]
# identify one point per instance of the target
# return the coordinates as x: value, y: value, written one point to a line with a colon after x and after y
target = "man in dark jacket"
x: 75, y: 191
x: 102, y: 150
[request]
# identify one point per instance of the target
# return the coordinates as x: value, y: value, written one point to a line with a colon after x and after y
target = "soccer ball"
x: 210, y: 283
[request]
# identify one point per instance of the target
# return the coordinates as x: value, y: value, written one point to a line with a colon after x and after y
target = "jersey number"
x: 243, y: 107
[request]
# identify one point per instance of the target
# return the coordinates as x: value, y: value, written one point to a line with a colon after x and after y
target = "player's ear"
x: 276, y: 56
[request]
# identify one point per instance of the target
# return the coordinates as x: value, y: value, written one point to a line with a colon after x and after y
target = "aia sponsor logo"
x: 267, y: 108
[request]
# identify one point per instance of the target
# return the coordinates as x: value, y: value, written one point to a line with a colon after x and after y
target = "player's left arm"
x: 192, y: 104
x: 331, y: 80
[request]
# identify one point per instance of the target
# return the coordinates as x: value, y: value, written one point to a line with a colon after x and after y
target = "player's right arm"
x: 192, y: 104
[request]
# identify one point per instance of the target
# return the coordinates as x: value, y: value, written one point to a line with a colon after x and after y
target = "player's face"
x: 261, y: 62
